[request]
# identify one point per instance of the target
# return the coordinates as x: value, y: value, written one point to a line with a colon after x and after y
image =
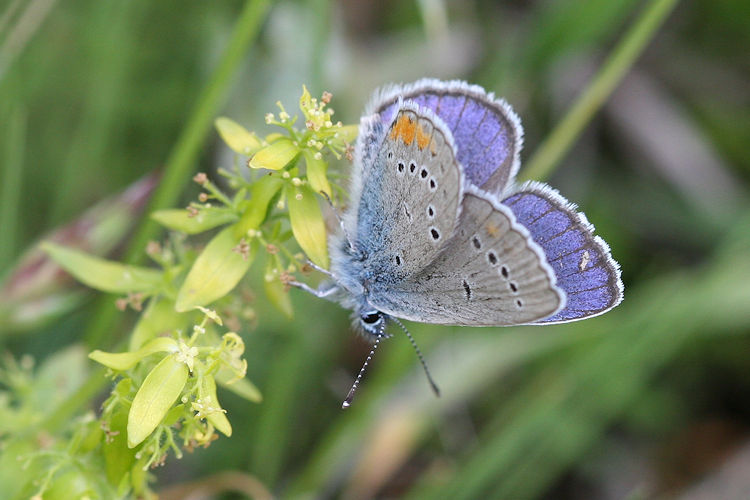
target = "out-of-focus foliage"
x: 649, y: 399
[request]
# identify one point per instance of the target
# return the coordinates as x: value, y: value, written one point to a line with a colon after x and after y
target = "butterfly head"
x: 372, y: 321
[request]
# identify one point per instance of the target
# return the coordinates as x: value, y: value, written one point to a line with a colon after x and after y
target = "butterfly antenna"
x: 338, y: 218
x: 348, y: 400
x: 434, y: 386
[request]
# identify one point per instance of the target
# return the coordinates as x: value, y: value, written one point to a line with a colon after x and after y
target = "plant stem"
x: 557, y: 144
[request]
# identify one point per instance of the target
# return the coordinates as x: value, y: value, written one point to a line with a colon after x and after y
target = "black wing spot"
x: 491, y: 257
x: 412, y: 167
x: 400, y: 166
x: 433, y: 184
x: 513, y: 287
x: 477, y: 244
x: 423, y: 173
x: 397, y: 260
x: 519, y: 303
x: 390, y: 154
x: 435, y: 234
x: 430, y: 211
x: 504, y: 272
x: 467, y: 289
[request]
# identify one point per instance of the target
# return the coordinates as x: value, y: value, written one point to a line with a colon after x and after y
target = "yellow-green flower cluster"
x: 292, y: 183
x: 178, y: 386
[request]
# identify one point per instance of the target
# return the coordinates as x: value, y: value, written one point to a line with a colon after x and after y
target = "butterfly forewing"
x: 410, y: 199
x: 486, y: 131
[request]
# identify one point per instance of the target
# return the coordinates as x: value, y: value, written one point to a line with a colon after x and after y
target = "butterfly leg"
x: 324, y: 291
x: 320, y: 269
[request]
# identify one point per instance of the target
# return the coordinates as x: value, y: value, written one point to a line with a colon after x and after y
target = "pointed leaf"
x: 215, y: 272
x: 316, y: 172
x: 179, y: 219
x: 261, y: 193
x: 307, y: 223
x: 154, y: 398
x: 275, y: 156
x: 237, y: 137
x: 105, y: 275
x: 215, y: 414
x: 118, y: 458
x: 126, y: 360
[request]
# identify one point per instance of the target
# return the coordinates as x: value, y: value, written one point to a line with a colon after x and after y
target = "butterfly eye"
x: 371, y: 318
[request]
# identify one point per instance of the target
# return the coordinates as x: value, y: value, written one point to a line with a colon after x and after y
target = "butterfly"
x: 438, y: 231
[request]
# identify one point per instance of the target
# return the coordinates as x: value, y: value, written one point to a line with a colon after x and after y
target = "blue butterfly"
x: 437, y: 230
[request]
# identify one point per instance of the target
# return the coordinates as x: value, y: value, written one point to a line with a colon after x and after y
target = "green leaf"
x: 347, y: 133
x: 307, y: 223
x: 261, y: 193
x: 275, y: 156
x: 72, y: 481
x: 118, y: 457
x: 154, y: 398
x: 316, y: 172
x: 237, y: 137
x: 126, y: 360
x: 104, y: 275
x: 275, y: 289
x: 179, y: 219
x: 215, y: 272
x: 242, y: 387
x: 207, y: 395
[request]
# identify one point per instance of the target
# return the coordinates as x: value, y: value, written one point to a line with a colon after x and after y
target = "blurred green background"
x: 650, y: 400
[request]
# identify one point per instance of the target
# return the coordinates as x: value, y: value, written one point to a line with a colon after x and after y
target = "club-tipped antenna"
x: 348, y: 400
x: 434, y: 386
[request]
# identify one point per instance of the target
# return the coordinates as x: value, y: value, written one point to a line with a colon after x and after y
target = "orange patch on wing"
x: 407, y: 130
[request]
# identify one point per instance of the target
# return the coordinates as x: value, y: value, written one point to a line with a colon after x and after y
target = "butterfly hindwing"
x: 489, y: 273
x: 581, y: 261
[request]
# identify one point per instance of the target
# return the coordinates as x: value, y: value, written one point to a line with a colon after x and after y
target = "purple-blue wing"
x: 581, y: 261
x: 487, y: 133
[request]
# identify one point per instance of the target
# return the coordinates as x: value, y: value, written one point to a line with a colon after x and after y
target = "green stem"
x: 557, y: 144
